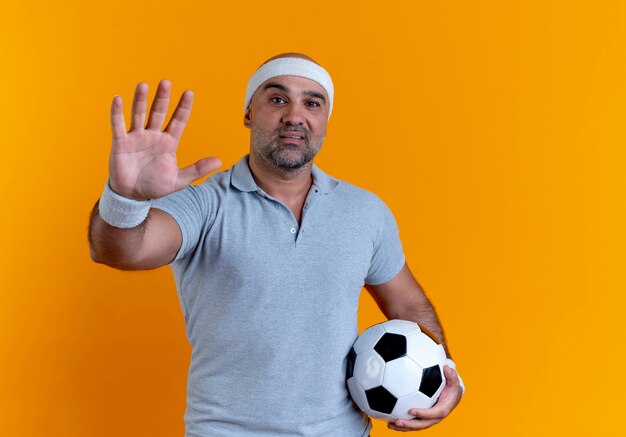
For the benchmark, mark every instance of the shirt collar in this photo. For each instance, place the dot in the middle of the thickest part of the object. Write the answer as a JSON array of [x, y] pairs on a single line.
[[321, 180], [241, 178]]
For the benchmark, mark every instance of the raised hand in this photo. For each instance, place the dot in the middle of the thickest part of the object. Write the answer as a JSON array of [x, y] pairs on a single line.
[[143, 160]]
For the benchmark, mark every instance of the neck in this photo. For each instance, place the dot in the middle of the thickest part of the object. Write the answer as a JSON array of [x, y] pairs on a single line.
[[287, 186]]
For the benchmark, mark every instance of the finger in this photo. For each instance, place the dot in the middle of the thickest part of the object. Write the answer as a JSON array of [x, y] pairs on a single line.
[[452, 378], [181, 114], [411, 425], [158, 110], [451, 375], [140, 104], [195, 171], [118, 126]]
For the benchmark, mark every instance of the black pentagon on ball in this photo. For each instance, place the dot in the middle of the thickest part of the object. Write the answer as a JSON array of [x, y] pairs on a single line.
[[350, 363], [391, 346], [431, 381], [380, 399]]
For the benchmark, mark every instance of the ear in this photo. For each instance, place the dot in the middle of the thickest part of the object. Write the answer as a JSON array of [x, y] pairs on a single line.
[[246, 118]]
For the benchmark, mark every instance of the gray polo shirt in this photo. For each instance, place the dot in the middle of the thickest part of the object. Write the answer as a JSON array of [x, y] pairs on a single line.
[[270, 307]]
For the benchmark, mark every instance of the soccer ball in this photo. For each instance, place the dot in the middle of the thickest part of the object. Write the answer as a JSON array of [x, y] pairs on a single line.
[[395, 366]]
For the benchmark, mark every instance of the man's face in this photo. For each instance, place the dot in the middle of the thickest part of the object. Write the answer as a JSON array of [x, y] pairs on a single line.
[[287, 119]]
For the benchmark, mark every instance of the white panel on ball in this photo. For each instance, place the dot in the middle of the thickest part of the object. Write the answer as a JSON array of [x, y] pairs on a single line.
[[402, 377], [422, 349], [368, 369], [402, 327], [415, 400], [442, 356], [358, 394], [381, 416], [368, 338]]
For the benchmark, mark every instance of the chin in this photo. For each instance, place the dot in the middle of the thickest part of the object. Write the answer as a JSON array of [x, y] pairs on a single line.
[[290, 164]]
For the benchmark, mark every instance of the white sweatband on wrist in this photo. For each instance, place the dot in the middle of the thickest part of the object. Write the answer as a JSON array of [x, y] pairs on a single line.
[[290, 67], [451, 364], [122, 212]]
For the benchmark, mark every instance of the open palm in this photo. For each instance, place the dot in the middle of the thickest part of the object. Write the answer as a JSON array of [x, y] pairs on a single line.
[[143, 161]]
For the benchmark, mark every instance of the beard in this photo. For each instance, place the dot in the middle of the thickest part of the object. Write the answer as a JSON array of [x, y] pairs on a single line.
[[286, 156]]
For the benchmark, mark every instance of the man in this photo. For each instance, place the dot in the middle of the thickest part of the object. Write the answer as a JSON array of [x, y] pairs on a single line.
[[269, 259]]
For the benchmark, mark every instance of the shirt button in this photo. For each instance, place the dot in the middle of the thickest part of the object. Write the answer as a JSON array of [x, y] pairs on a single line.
[[292, 230]]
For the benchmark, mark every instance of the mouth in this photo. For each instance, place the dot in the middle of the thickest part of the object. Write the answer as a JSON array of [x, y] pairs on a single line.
[[291, 137]]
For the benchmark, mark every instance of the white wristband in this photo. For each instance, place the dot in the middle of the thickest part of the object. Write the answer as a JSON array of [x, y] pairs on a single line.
[[122, 212], [451, 364]]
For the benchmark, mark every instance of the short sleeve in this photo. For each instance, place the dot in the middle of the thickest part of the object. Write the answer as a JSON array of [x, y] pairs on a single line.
[[189, 207], [388, 256]]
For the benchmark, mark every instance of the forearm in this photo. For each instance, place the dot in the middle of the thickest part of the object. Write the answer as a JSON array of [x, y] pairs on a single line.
[[424, 313], [403, 298], [115, 247]]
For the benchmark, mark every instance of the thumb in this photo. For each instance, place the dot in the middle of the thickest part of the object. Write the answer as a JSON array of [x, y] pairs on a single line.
[[195, 171], [452, 378]]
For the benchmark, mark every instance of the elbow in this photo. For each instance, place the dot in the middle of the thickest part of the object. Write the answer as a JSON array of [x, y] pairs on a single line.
[[120, 264], [94, 255]]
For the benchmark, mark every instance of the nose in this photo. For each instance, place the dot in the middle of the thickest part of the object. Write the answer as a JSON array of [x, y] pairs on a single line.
[[293, 115]]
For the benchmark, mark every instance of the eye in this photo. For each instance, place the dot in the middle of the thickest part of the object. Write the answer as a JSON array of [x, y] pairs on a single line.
[[277, 100], [313, 104]]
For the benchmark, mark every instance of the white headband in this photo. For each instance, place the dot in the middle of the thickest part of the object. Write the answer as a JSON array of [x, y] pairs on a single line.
[[290, 67]]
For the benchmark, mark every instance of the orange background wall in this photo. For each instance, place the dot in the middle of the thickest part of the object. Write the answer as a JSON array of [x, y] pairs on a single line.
[[494, 130]]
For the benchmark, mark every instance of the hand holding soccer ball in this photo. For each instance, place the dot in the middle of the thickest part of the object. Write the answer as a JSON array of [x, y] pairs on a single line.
[[396, 369]]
